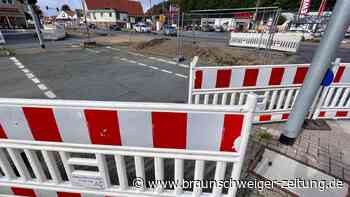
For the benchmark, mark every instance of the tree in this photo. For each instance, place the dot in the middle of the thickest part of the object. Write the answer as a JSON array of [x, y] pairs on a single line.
[[37, 10], [65, 7]]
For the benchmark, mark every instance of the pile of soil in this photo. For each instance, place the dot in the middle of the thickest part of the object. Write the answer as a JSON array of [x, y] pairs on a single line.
[[222, 55], [151, 43]]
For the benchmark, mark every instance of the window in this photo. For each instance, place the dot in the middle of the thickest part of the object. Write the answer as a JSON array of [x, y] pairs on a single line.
[[110, 14], [94, 15], [10, 1], [101, 14]]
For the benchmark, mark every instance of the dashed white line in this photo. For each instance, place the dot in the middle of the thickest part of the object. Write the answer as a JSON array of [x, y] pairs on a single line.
[[167, 71], [114, 49], [132, 61], [155, 68], [30, 75], [93, 51], [42, 87], [180, 75], [48, 93], [26, 70], [36, 80], [184, 65], [142, 64]]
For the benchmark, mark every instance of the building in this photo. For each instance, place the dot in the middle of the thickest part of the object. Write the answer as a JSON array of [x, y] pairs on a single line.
[[12, 14], [104, 13], [67, 17]]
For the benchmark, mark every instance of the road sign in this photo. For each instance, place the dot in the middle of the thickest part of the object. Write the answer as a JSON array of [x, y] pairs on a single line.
[[328, 79]]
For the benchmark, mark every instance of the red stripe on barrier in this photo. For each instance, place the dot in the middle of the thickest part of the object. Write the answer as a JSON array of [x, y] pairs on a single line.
[[250, 77], [264, 118], [322, 114], [103, 127], [198, 80], [276, 76], [285, 116], [23, 192], [223, 78], [169, 130], [233, 125], [300, 75], [66, 194], [2, 133], [339, 74], [341, 114], [42, 123]]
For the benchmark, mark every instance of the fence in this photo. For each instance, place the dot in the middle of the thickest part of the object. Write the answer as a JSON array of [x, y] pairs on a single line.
[[2, 39], [281, 41], [68, 148], [277, 87]]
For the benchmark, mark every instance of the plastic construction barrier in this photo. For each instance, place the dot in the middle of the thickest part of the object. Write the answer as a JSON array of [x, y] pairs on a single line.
[[281, 41], [55, 137], [277, 87]]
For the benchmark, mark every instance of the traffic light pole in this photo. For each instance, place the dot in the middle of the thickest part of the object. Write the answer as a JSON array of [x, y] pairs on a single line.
[[322, 59], [36, 24]]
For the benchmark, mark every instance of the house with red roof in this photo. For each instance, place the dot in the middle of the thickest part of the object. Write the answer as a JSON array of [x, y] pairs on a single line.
[[105, 13]]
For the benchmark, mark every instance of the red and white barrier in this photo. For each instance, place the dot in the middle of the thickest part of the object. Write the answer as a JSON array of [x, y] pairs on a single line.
[[114, 126], [38, 133], [258, 76], [277, 87]]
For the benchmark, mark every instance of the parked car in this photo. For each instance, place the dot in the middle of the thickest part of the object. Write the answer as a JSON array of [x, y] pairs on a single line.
[[142, 28], [170, 30], [115, 28], [219, 28], [92, 26], [207, 28]]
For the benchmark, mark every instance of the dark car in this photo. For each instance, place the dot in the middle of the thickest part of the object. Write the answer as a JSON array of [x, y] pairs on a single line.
[[115, 28], [170, 30], [92, 26]]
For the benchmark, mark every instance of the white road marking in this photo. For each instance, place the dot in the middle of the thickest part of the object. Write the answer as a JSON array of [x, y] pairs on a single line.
[[26, 70], [114, 49], [180, 75], [48, 93], [36, 80], [184, 65], [142, 64], [132, 61], [155, 68], [166, 71], [42, 87], [93, 51], [136, 54], [30, 75]]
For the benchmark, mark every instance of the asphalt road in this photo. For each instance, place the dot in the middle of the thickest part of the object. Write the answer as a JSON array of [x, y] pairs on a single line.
[[107, 74], [102, 73]]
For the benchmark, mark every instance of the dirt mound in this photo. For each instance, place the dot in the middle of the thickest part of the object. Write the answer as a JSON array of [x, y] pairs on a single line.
[[150, 43]]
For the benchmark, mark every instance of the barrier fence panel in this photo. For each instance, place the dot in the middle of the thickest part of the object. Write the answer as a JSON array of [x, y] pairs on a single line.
[[2, 39], [334, 103], [281, 41], [277, 87], [74, 148]]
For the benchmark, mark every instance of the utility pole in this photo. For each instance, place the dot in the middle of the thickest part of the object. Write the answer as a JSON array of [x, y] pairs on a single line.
[[31, 4], [324, 55]]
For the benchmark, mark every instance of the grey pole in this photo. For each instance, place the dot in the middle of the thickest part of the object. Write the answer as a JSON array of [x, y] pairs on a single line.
[[37, 25], [324, 55]]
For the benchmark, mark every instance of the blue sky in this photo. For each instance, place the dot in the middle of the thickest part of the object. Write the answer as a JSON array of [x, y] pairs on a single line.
[[77, 4]]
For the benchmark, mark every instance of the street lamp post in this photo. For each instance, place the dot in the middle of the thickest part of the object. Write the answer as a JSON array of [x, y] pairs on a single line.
[[31, 4]]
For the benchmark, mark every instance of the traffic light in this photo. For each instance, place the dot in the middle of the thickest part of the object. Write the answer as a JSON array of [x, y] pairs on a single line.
[[32, 2], [47, 7]]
